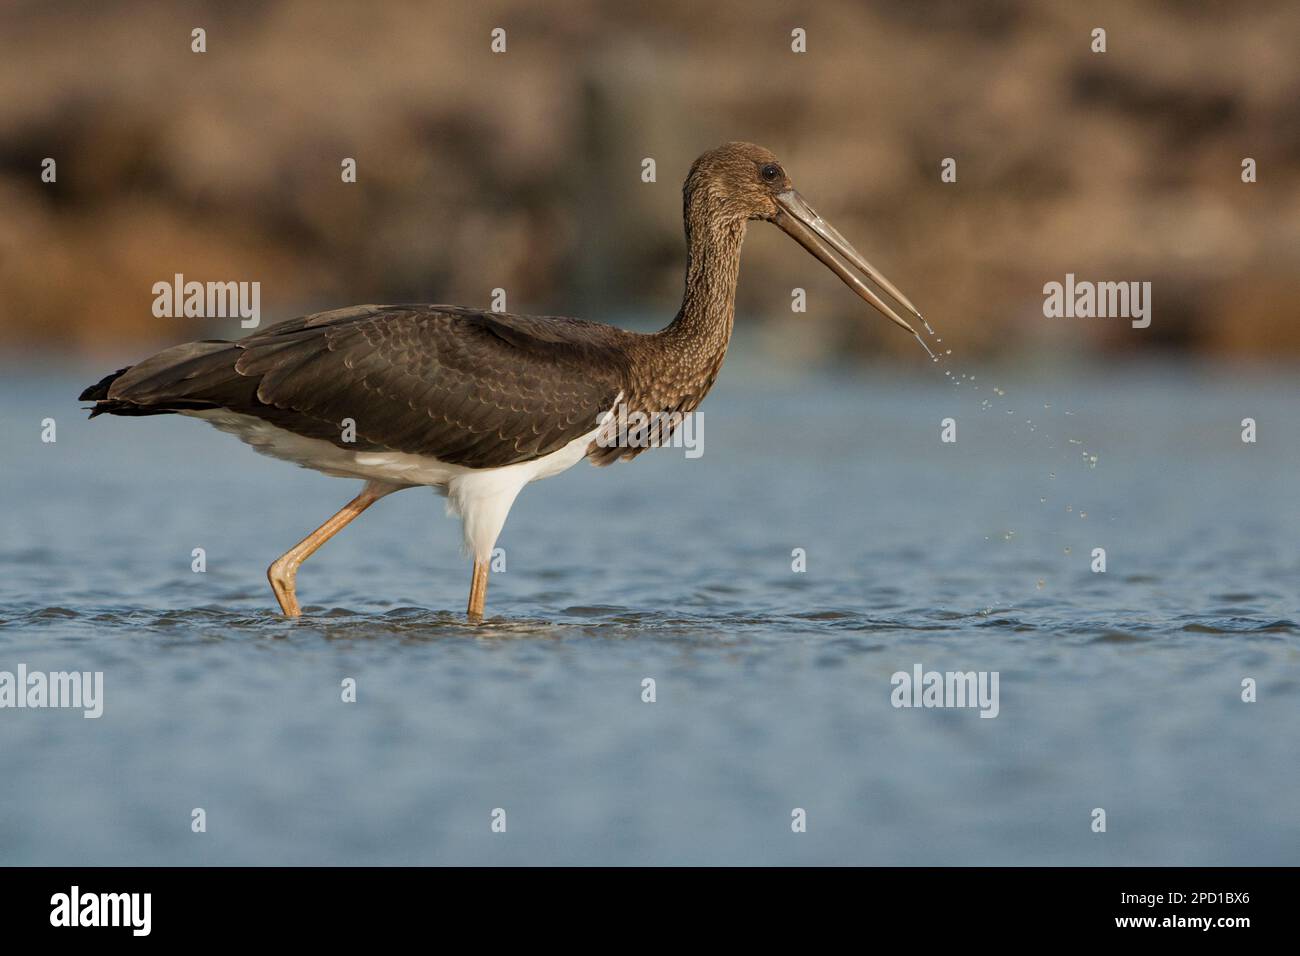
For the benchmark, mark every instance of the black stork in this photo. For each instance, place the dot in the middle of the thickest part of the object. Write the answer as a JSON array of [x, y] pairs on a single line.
[[478, 404]]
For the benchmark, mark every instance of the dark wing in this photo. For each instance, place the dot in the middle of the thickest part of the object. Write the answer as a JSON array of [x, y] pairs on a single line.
[[479, 389]]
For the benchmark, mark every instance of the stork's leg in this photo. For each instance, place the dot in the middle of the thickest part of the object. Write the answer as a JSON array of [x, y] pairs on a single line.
[[482, 498], [477, 592], [283, 572]]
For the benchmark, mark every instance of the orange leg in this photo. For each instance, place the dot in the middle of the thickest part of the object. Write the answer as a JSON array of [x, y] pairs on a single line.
[[477, 592], [283, 572]]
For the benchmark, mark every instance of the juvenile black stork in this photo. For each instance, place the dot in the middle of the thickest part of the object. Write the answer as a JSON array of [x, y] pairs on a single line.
[[478, 404]]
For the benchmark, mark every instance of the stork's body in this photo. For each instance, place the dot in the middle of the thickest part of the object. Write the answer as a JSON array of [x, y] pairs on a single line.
[[476, 404]]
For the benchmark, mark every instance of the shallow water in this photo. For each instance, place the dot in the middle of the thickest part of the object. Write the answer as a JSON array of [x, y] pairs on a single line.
[[1119, 690]]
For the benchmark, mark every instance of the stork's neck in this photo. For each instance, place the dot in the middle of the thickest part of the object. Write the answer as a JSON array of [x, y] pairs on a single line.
[[700, 332]]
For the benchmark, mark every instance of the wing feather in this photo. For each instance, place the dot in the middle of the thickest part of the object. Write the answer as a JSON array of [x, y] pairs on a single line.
[[471, 388]]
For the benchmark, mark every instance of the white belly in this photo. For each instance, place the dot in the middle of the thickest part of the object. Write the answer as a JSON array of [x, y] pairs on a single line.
[[481, 496]]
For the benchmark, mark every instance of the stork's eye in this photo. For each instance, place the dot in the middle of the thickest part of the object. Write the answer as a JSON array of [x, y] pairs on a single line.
[[771, 172]]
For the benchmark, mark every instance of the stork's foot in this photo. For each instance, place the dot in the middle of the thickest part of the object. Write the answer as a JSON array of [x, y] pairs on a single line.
[[283, 575], [477, 592], [284, 571]]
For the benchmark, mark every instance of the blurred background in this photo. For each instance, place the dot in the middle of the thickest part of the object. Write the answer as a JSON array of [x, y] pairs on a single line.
[[522, 170]]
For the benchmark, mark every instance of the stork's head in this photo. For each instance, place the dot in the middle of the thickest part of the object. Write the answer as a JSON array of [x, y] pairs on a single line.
[[740, 181]]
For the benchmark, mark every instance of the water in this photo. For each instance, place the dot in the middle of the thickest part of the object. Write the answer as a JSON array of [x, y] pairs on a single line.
[[1118, 690]]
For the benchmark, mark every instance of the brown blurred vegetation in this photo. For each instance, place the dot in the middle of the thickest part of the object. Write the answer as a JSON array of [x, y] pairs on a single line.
[[522, 170]]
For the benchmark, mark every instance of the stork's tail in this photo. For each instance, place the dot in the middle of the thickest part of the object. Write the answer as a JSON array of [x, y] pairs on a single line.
[[98, 393], [182, 378]]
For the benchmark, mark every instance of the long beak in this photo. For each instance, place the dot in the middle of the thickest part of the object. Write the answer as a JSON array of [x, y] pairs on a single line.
[[802, 222]]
